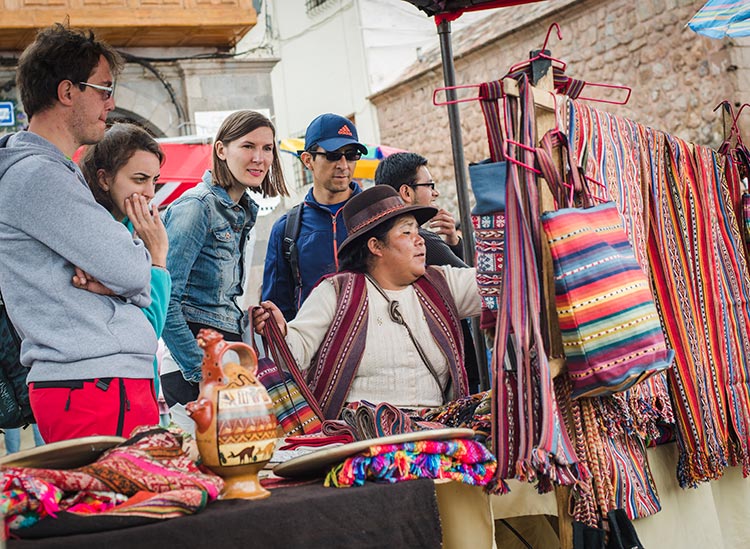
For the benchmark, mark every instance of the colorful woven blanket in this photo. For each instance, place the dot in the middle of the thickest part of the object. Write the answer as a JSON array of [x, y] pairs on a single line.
[[149, 475], [464, 461], [611, 431]]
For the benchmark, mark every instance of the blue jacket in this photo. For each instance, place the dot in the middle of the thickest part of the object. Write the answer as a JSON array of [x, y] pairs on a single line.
[[317, 254], [207, 234]]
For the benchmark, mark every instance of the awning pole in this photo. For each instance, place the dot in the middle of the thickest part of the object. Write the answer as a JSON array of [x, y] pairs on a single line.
[[454, 121]]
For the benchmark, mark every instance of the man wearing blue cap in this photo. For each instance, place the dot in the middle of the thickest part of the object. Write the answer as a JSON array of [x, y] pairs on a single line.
[[303, 244]]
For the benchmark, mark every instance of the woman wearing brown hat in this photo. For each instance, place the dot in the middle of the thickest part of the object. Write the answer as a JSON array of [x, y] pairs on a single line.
[[384, 328]]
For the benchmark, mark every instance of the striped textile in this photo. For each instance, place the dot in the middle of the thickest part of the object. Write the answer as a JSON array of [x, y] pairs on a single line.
[[608, 321], [349, 325], [294, 405], [616, 154], [746, 224], [680, 258], [290, 407], [529, 435], [720, 18], [732, 313]]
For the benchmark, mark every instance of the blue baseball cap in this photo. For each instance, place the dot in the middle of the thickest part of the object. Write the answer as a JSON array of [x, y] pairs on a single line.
[[332, 132]]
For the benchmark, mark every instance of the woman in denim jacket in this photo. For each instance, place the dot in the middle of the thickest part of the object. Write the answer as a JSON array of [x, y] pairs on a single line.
[[208, 228]]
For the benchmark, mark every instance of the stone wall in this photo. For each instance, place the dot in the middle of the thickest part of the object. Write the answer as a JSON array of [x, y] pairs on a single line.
[[677, 76]]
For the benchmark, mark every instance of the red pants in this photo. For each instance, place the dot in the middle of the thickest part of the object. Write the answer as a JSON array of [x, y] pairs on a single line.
[[80, 408]]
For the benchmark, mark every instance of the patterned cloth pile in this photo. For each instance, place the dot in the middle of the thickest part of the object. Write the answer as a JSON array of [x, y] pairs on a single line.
[[472, 412], [464, 461], [149, 475], [363, 420]]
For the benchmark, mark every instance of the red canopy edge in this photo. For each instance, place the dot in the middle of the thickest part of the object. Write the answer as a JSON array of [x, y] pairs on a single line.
[[450, 10]]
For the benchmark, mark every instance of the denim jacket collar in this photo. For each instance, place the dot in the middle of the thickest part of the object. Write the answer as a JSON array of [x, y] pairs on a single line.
[[246, 203]]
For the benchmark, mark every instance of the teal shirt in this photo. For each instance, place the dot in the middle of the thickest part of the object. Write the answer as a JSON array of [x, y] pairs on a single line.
[[156, 313], [161, 288]]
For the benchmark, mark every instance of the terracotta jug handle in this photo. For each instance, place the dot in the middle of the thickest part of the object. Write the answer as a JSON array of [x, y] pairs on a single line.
[[248, 357]]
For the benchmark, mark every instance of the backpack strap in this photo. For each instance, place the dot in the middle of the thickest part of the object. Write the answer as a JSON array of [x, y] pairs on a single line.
[[289, 244]]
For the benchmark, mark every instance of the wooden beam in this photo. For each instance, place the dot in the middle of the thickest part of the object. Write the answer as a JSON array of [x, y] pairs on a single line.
[[546, 120], [543, 99]]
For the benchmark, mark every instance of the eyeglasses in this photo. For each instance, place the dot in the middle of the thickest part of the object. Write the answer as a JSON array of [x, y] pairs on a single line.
[[335, 156], [430, 184], [107, 91]]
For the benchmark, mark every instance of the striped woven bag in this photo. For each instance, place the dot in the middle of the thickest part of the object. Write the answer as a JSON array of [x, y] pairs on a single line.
[[293, 404], [610, 327]]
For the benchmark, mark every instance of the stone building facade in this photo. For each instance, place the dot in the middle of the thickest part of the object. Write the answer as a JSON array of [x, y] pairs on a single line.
[[677, 76]]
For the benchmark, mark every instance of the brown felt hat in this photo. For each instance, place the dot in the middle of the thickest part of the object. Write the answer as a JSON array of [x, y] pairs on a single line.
[[375, 205]]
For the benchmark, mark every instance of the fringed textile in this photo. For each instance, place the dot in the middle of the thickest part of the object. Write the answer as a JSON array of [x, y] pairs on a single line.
[[612, 152], [472, 412], [680, 257], [529, 437], [733, 312]]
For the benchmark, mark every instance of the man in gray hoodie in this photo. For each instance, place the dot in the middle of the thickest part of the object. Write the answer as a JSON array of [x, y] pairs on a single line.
[[89, 346]]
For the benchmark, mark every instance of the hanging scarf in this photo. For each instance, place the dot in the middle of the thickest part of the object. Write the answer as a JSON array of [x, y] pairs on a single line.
[[335, 365], [614, 429], [732, 312], [529, 437], [680, 263]]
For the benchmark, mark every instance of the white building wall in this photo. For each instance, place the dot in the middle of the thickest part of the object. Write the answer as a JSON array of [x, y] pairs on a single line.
[[340, 53], [323, 66]]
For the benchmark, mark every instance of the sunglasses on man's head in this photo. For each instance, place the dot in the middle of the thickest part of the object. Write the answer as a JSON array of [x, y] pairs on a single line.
[[335, 156]]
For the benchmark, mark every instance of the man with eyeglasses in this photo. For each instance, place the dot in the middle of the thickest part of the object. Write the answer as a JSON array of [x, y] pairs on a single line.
[[409, 175], [89, 347], [292, 269]]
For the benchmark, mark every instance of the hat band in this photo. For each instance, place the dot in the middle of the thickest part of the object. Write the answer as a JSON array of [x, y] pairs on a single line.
[[391, 204]]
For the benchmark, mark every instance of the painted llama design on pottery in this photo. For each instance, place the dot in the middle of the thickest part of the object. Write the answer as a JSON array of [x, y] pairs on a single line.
[[236, 429]]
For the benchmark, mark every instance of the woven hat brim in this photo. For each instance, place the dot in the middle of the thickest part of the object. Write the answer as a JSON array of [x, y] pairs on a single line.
[[421, 213]]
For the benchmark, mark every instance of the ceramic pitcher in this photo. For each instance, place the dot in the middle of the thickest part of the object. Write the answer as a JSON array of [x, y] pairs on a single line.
[[236, 429]]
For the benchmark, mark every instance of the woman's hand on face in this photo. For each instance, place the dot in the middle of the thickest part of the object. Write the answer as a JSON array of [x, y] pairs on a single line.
[[84, 281], [148, 227], [264, 313]]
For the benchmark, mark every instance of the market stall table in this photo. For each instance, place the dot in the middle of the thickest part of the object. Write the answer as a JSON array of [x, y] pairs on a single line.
[[374, 515]]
